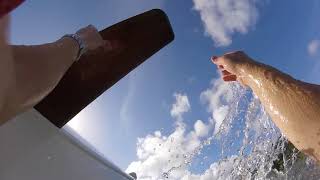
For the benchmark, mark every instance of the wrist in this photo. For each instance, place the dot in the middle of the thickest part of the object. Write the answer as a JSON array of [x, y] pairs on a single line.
[[71, 46], [81, 46]]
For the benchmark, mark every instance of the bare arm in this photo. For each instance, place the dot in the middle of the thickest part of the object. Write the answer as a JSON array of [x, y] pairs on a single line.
[[7, 73], [38, 69], [34, 71], [293, 105]]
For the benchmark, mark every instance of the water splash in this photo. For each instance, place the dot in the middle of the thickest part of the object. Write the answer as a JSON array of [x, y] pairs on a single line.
[[264, 153]]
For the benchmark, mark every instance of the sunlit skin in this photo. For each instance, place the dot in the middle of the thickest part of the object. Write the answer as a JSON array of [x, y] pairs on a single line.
[[29, 73], [293, 105]]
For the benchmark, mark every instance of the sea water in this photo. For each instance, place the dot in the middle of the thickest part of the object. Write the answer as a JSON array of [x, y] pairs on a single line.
[[251, 146]]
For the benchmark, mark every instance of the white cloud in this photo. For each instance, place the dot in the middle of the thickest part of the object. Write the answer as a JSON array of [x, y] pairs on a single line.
[[223, 18], [181, 106], [158, 153], [313, 47], [218, 97], [201, 129], [161, 157]]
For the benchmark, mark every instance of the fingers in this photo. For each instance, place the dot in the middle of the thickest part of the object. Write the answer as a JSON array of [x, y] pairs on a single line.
[[227, 76], [92, 27], [227, 64], [214, 59], [218, 60], [88, 29], [225, 73], [230, 78]]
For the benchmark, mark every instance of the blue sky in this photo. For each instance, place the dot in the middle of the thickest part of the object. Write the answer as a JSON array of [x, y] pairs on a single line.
[[284, 34]]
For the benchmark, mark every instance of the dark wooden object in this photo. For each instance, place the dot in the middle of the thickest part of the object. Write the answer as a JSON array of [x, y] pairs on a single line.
[[134, 41]]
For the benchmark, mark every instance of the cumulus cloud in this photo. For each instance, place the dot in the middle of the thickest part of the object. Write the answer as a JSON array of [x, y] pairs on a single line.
[[218, 97], [181, 106], [223, 18], [158, 154], [313, 47], [162, 156], [201, 129]]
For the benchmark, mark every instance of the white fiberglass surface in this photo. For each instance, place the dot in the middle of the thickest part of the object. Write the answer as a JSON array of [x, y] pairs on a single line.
[[172, 117]]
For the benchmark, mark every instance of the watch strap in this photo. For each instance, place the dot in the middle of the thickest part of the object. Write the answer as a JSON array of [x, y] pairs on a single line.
[[80, 42]]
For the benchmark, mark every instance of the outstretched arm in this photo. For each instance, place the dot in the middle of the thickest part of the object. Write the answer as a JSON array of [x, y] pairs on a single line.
[[293, 105], [34, 71]]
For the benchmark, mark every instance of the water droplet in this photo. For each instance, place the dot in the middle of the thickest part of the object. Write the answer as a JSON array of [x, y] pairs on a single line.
[[254, 132], [207, 142], [165, 175]]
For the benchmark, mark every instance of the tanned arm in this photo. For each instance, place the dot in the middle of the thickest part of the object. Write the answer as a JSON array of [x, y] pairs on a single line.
[[293, 105], [29, 73], [38, 69]]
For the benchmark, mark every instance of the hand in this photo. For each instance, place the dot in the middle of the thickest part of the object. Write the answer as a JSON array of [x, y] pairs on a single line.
[[232, 65], [93, 40]]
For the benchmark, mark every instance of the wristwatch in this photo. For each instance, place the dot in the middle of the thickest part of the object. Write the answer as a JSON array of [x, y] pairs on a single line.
[[81, 43]]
